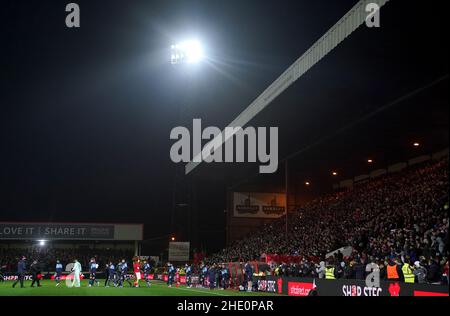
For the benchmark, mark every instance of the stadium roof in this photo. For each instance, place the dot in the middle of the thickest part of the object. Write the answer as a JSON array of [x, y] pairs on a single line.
[[372, 97]]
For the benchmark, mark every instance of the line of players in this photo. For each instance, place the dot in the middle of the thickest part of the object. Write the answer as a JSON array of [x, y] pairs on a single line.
[[214, 276], [209, 276], [115, 274]]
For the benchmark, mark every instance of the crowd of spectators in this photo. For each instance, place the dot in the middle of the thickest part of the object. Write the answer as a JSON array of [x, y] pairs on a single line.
[[402, 216]]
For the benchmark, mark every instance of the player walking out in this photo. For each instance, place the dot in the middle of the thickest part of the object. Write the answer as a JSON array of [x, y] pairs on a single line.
[[123, 273], [225, 277], [35, 273], [147, 269], [188, 270], [58, 273], [171, 274], [76, 273], [212, 277], [177, 276], [111, 275], [204, 276], [106, 274], [21, 269], [248, 276], [137, 271], [93, 266], [201, 275]]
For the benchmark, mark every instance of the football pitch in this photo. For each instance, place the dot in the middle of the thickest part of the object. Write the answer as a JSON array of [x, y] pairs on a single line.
[[157, 288]]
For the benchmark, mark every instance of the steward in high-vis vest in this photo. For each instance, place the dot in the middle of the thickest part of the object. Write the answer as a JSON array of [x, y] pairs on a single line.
[[393, 271], [408, 273], [330, 271]]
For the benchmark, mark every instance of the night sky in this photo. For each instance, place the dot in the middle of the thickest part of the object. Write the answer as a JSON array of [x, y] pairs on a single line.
[[86, 113]]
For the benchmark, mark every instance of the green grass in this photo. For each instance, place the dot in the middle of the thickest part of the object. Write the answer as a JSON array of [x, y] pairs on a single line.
[[157, 289]]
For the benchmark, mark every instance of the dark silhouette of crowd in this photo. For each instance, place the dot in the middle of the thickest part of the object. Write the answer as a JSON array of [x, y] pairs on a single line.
[[401, 216]]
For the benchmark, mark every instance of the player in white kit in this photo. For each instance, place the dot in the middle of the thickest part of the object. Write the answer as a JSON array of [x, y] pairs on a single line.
[[76, 273]]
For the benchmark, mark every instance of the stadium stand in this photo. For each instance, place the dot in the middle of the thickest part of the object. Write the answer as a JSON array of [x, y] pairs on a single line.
[[401, 216]]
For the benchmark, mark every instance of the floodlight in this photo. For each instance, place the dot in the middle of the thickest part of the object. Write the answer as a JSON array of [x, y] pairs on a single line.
[[187, 52]]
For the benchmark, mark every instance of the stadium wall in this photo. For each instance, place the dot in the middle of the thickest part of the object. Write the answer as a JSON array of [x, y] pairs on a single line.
[[344, 287], [70, 231], [119, 245]]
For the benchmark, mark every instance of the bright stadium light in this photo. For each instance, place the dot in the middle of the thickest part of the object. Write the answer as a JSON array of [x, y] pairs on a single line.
[[41, 243], [187, 52]]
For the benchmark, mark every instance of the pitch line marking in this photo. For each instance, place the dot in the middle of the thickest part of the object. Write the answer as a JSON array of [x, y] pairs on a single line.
[[204, 292]]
